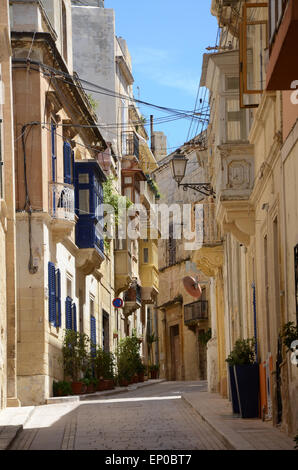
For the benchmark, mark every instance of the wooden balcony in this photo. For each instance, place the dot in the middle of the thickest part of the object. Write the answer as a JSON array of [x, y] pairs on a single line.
[[283, 65], [61, 209], [195, 311]]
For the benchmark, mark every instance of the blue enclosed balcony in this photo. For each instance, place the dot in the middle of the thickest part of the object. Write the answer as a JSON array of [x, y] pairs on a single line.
[[88, 203]]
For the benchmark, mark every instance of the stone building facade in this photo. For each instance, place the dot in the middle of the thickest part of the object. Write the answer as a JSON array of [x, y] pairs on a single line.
[[251, 166]]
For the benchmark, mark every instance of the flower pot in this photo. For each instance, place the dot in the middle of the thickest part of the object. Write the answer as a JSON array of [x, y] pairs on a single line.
[[101, 386], [115, 335], [135, 379], [109, 384], [153, 374], [247, 385], [90, 388], [123, 383], [78, 388], [141, 377], [233, 390]]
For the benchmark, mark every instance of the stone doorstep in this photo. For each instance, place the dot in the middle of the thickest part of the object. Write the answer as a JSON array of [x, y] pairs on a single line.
[[219, 419], [115, 391], [12, 422]]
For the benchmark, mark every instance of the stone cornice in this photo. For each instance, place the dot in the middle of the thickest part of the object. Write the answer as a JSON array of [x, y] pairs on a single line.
[[209, 260]]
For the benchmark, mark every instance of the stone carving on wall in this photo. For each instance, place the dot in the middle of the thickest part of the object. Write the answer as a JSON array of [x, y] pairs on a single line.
[[238, 174]]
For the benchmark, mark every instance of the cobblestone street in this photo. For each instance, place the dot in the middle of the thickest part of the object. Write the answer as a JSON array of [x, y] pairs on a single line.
[[153, 417]]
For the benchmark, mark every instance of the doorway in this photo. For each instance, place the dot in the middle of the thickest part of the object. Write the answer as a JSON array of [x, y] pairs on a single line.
[[175, 352], [105, 331]]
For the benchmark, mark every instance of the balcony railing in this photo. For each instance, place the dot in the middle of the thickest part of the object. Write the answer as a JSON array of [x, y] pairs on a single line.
[[276, 12], [61, 201], [133, 294], [196, 311], [130, 145]]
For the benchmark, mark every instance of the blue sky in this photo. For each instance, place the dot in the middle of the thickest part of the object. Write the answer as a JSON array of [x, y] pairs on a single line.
[[167, 40]]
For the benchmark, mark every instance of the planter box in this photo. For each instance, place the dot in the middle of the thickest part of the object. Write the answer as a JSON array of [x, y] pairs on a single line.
[[78, 388], [109, 384], [90, 388], [153, 374], [123, 383], [233, 389], [141, 377], [247, 384], [101, 386]]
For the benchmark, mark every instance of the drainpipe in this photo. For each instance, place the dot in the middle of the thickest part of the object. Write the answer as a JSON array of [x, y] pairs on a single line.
[[255, 320]]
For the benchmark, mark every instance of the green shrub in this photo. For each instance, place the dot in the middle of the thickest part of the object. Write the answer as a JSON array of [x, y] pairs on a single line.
[[76, 356], [61, 388], [243, 353]]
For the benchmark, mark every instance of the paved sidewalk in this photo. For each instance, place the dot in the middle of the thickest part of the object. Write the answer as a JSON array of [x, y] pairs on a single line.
[[238, 434], [12, 421], [96, 395]]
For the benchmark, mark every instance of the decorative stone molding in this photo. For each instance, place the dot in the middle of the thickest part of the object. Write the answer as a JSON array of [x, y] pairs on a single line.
[[209, 259], [88, 260], [238, 218]]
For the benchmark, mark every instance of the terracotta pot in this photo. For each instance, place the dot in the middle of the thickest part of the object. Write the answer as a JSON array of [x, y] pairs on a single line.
[[90, 388], [78, 388], [153, 374], [141, 377], [101, 386], [135, 379], [123, 383], [109, 383]]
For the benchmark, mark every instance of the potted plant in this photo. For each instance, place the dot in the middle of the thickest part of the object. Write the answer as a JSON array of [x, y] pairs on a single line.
[[115, 334], [104, 369], [289, 334], [154, 368], [75, 358], [61, 388], [244, 378], [141, 372]]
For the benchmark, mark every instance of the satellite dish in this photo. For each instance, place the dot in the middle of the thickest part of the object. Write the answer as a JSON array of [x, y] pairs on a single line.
[[192, 287]]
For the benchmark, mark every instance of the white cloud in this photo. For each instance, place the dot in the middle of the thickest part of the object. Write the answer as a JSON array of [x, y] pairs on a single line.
[[162, 67]]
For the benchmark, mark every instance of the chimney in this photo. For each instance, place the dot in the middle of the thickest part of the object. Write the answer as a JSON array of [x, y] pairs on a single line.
[[89, 3]]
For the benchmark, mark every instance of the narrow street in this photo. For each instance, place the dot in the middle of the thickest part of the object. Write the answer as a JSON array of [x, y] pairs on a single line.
[[151, 418]]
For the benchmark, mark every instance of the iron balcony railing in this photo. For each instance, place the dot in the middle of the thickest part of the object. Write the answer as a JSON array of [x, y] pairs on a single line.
[[196, 311], [61, 201], [130, 144], [133, 294]]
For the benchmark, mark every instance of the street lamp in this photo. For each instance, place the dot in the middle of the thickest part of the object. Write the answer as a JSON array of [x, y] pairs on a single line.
[[178, 166]]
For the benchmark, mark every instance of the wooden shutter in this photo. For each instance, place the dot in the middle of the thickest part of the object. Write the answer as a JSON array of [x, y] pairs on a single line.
[[93, 334], [74, 317], [52, 292], [68, 313], [58, 298], [67, 162], [53, 142]]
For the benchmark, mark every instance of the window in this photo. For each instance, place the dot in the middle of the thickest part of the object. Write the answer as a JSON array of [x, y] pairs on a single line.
[[235, 121], [67, 163], [84, 207], [171, 246], [93, 334], [253, 42], [54, 287], [145, 255], [53, 150], [70, 314], [276, 10]]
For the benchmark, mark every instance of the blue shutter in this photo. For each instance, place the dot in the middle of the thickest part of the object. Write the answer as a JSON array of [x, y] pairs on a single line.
[[67, 162], [53, 140], [68, 317], [74, 317], [52, 293], [58, 298], [93, 335], [73, 167]]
